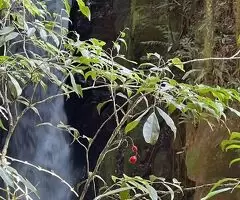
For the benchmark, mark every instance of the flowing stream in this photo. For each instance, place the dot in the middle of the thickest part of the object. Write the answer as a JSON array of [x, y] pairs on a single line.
[[45, 146]]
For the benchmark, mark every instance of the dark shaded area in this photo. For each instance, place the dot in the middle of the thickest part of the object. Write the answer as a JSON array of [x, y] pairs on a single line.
[[82, 112]]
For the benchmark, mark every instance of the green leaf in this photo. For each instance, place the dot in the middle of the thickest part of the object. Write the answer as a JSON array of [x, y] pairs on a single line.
[[11, 36], [214, 193], [31, 31], [31, 7], [67, 6], [220, 182], [130, 126], [16, 85], [79, 90], [151, 129], [226, 143], [4, 59], [138, 185], [84, 9], [55, 39], [234, 111], [2, 126], [170, 190], [6, 30], [25, 182], [114, 178], [232, 146], [36, 111], [43, 34], [235, 135], [234, 161], [124, 195], [178, 63], [74, 85], [168, 121], [152, 192], [8, 180], [116, 191], [4, 4], [100, 105]]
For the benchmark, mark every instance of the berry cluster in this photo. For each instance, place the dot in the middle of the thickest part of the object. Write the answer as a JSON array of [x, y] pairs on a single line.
[[133, 159]]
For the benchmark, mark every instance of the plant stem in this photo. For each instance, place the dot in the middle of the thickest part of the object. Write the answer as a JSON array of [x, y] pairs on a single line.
[[106, 149]]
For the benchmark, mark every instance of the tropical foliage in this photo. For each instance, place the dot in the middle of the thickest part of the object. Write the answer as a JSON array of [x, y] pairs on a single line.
[[36, 52]]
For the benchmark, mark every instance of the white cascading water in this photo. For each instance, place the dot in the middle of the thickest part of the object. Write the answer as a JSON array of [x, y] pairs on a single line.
[[45, 146]]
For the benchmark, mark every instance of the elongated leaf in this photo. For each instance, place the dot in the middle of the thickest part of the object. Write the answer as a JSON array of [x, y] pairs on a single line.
[[6, 30], [16, 85], [234, 161], [84, 9], [36, 111], [11, 36], [67, 6], [116, 191], [225, 180], [130, 126], [43, 34], [235, 135], [232, 146], [6, 178], [31, 31], [124, 195], [214, 193], [152, 192], [101, 105], [31, 7], [168, 121], [170, 191], [2, 126], [226, 143], [55, 39], [151, 129], [138, 186], [74, 85], [234, 111]]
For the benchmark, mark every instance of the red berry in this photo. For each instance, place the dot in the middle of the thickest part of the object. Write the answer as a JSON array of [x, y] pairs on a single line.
[[134, 149], [133, 159]]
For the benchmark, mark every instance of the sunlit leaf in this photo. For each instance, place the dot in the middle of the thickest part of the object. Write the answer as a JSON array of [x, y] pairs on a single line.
[[124, 195], [234, 111], [152, 192], [31, 31], [130, 126], [16, 85], [84, 9], [214, 193], [168, 121], [43, 34], [237, 160], [151, 129], [67, 6], [178, 63], [6, 30]]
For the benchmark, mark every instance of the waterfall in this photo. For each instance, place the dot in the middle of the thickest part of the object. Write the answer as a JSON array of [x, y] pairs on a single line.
[[45, 146]]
